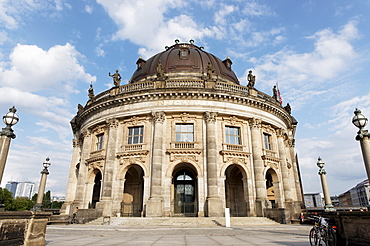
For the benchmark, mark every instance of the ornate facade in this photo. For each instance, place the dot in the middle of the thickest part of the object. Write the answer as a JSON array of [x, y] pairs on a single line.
[[184, 138]]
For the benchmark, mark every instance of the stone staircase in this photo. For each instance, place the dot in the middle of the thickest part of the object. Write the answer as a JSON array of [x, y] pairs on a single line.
[[182, 221]]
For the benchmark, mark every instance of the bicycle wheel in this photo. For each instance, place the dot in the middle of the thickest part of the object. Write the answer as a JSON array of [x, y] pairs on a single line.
[[331, 237], [314, 237]]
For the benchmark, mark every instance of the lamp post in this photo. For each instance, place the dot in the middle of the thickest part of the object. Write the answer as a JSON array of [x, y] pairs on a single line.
[[40, 194], [6, 134], [360, 121], [324, 183]]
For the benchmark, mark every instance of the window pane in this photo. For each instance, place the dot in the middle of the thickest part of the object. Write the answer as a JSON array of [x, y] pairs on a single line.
[[135, 135], [184, 132]]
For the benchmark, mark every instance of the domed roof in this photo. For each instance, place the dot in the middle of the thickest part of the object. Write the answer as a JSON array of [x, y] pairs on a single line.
[[184, 57]]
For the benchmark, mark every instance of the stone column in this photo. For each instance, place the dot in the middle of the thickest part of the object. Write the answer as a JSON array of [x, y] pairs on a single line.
[[72, 179], [325, 189], [154, 206], [284, 166], [214, 204], [110, 157], [82, 172], [297, 182], [258, 166], [4, 150]]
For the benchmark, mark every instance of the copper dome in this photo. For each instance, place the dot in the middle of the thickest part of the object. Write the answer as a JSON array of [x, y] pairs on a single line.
[[184, 57]]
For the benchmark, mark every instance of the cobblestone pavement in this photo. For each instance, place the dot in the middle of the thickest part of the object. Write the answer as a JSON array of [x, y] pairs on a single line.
[[64, 235]]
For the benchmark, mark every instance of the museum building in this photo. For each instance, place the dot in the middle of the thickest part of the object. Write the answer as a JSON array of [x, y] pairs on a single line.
[[184, 138]]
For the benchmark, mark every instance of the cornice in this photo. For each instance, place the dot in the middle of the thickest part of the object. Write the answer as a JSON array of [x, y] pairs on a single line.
[[202, 94]]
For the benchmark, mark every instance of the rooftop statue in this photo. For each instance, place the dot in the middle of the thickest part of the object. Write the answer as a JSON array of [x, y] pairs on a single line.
[[210, 70], [160, 71], [288, 108], [274, 93], [116, 78], [91, 92], [251, 79]]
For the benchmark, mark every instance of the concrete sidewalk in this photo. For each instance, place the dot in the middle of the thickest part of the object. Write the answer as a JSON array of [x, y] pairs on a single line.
[[122, 235]]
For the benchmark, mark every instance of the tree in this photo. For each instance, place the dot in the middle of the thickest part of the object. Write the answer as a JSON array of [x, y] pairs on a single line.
[[22, 203], [7, 198], [46, 200]]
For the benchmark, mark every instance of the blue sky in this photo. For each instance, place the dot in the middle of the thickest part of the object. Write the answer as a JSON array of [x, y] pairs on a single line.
[[317, 51]]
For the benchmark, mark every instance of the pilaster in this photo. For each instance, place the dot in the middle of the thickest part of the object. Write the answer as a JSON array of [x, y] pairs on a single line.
[[214, 203], [260, 183], [284, 165], [154, 206]]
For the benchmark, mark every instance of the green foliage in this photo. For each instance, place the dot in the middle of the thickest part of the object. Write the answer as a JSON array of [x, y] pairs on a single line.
[[22, 203], [7, 198], [57, 204], [46, 201]]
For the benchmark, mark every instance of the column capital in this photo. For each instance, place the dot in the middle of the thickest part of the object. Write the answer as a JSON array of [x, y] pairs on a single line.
[[86, 133], [255, 123], [158, 116], [280, 132], [361, 134], [112, 122], [7, 131], [210, 117], [75, 142]]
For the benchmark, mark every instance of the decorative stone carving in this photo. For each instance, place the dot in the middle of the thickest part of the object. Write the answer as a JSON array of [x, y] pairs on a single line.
[[75, 143], [185, 158], [86, 133], [99, 129], [280, 132], [158, 116], [134, 120], [96, 165], [233, 119], [210, 117], [271, 164], [112, 122], [184, 117], [255, 123]]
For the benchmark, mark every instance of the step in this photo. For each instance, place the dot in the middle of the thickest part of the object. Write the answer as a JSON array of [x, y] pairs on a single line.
[[183, 221]]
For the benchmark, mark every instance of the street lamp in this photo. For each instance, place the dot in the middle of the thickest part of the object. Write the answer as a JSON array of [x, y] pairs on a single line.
[[6, 134], [40, 194], [325, 189], [360, 121]]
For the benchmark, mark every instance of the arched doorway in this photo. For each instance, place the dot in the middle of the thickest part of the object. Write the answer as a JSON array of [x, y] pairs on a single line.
[[185, 202], [271, 189], [132, 202], [96, 188], [234, 192]]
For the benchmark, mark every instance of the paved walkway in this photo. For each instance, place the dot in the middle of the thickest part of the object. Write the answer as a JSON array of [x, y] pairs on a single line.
[[64, 235]]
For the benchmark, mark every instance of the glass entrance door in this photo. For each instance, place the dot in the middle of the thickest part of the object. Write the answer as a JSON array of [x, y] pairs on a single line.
[[184, 193]]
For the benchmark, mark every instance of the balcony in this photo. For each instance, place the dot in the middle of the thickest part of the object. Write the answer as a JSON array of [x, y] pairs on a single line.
[[183, 145], [133, 147], [233, 147]]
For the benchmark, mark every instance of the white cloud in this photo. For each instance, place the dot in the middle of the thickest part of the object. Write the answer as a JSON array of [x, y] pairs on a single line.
[[89, 9], [252, 8], [33, 69], [145, 23], [3, 37], [220, 16]]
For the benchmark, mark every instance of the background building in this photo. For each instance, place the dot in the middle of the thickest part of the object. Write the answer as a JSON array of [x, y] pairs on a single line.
[[357, 196], [314, 200], [21, 189], [184, 138]]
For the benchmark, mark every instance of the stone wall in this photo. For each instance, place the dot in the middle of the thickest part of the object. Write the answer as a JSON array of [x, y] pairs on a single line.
[[353, 227], [23, 228]]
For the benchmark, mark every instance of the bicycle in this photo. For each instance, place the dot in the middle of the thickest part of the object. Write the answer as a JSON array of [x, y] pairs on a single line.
[[322, 234], [73, 220]]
